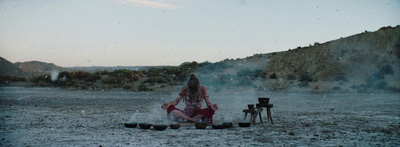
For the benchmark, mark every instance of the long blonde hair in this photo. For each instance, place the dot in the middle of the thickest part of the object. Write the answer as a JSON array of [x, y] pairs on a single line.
[[194, 84]]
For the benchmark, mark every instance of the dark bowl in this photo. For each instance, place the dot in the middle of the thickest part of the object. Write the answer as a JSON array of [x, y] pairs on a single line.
[[244, 124], [175, 126], [130, 124], [263, 100], [250, 106], [219, 126], [227, 124], [200, 125], [145, 125], [160, 127]]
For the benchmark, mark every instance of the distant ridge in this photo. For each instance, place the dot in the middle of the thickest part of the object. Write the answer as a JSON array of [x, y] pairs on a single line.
[[9, 69], [36, 68], [108, 68], [358, 63], [368, 59]]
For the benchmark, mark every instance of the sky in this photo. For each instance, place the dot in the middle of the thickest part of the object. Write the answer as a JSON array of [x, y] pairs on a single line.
[[72, 33]]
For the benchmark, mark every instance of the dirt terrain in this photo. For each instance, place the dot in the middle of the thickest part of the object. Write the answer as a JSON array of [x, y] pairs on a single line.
[[56, 117]]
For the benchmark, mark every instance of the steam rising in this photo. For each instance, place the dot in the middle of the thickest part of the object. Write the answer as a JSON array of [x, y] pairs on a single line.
[[231, 91], [54, 75]]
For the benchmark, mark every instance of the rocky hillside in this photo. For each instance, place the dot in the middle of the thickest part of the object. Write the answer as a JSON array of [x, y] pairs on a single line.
[[365, 62], [9, 69], [370, 60]]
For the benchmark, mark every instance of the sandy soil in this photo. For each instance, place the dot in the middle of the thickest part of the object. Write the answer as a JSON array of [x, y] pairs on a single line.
[[56, 117]]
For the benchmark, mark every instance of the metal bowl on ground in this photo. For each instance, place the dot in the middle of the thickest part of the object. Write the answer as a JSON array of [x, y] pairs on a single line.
[[145, 125], [217, 126], [200, 125], [227, 124], [160, 127], [263, 100], [130, 124], [244, 124], [174, 126]]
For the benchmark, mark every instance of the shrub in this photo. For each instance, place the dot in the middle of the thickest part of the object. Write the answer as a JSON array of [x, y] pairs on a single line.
[[124, 74], [376, 80], [212, 67], [172, 70], [380, 85], [376, 76], [253, 74], [291, 77], [127, 87], [7, 79], [305, 78], [182, 77], [224, 79], [64, 74], [303, 84], [104, 72], [336, 88], [387, 69], [143, 87], [44, 78], [273, 76], [112, 81], [259, 73], [189, 66], [341, 77], [153, 80], [244, 73], [154, 71]]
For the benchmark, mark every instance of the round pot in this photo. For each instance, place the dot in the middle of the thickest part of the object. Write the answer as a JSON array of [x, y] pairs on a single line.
[[219, 126], [145, 125], [244, 124], [227, 124], [130, 124], [174, 126], [250, 106], [200, 125], [263, 100], [160, 127]]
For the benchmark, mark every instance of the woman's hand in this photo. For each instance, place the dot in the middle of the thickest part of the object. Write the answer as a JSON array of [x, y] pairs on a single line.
[[165, 106], [214, 107]]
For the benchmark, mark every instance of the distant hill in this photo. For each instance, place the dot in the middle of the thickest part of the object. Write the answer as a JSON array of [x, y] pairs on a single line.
[[36, 68], [9, 69], [93, 69]]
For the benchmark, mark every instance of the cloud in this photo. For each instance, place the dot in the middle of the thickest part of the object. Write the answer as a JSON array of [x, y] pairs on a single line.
[[158, 4]]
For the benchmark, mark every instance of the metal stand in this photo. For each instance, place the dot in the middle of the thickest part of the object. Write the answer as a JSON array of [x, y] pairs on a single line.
[[254, 113]]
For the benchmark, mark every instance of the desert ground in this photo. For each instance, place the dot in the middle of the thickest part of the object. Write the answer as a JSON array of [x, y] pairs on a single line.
[[59, 117]]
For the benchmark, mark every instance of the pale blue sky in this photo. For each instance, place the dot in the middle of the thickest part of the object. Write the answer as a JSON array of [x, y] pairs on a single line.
[[170, 32]]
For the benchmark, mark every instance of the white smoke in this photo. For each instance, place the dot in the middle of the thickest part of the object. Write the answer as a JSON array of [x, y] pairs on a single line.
[[54, 75]]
